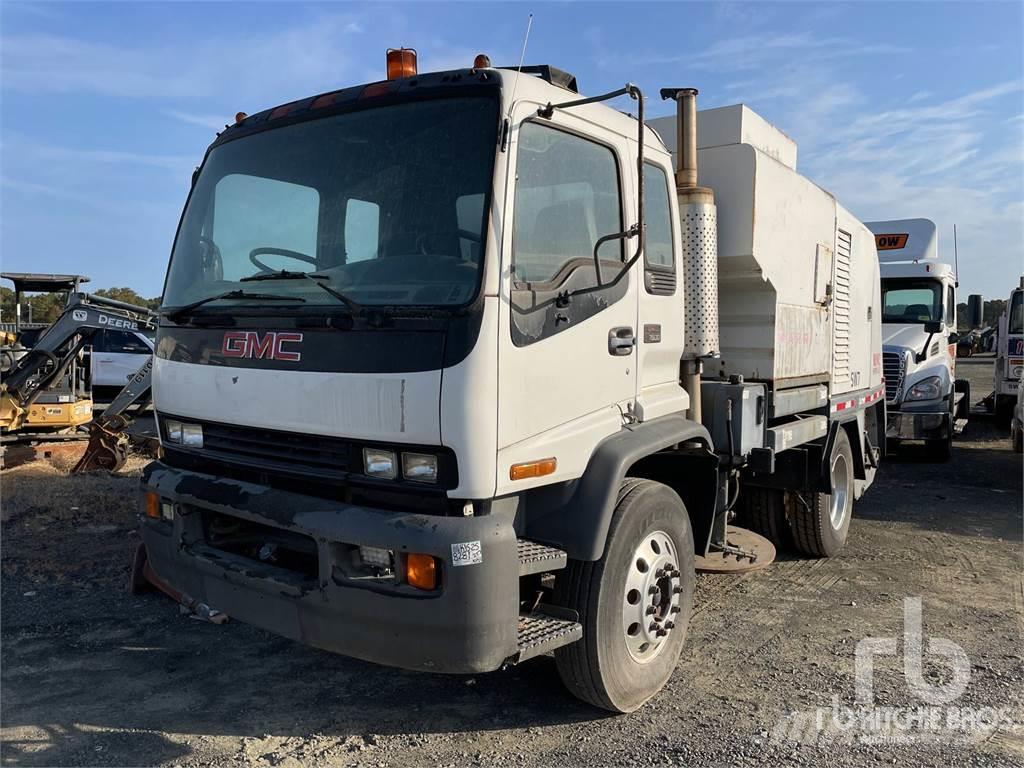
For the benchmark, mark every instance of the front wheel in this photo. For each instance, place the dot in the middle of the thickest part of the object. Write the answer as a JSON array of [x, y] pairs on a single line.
[[820, 523], [634, 603]]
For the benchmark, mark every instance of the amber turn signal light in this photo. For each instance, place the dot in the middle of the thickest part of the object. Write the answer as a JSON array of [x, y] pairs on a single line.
[[421, 571], [401, 63], [153, 505], [533, 469]]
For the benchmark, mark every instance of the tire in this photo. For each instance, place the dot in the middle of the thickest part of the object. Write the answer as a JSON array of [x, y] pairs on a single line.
[[1004, 410], [603, 668], [1017, 437], [763, 510], [814, 532]]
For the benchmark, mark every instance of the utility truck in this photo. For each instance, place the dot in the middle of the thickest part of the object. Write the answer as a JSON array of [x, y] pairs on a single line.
[[1009, 366], [456, 369], [919, 336]]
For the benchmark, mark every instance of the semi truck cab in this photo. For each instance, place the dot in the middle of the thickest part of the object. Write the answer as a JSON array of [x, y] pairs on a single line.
[[919, 337]]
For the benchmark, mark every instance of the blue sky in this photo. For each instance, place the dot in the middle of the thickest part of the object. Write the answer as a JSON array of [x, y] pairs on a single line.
[[901, 110]]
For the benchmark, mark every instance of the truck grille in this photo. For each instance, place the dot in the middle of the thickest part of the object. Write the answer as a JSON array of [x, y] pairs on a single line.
[[892, 368], [300, 462], [287, 450]]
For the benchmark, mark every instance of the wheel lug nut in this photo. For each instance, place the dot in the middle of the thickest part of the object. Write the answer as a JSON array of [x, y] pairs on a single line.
[[653, 627], [676, 609], [662, 632], [670, 625], [677, 590], [650, 610], [653, 590]]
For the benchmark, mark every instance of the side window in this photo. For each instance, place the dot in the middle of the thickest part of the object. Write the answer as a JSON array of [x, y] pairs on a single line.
[[950, 308], [567, 198], [256, 212], [362, 230], [124, 342], [659, 274], [99, 342]]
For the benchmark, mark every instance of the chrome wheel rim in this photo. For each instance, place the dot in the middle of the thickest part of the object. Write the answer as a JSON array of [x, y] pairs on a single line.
[[840, 491], [650, 603]]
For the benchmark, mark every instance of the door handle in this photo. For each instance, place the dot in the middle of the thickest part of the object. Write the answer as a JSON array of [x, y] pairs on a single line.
[[621, 341]]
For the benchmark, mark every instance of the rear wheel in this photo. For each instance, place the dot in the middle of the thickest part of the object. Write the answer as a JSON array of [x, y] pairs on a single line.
[[763, 511], [634, 603], [821, 522], [1004, 409]]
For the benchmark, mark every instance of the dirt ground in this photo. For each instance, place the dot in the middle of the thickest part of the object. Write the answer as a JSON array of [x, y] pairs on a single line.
[[94, 676]]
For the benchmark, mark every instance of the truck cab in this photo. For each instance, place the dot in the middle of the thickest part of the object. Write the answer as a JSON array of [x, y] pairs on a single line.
[[918, 335], [428, 376], [1009, 346]]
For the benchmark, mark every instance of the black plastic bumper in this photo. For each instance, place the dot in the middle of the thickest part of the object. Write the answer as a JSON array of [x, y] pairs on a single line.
[[904, 425], [468, 625]]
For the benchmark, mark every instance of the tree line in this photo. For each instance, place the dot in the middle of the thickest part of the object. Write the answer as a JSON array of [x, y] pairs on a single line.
[[991, 310], [46, 307]]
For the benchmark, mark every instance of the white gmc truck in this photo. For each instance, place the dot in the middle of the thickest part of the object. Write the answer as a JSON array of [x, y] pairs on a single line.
[[919, 336], [455, 369]]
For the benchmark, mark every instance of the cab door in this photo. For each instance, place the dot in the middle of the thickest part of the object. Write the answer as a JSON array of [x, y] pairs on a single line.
[[567, 354]]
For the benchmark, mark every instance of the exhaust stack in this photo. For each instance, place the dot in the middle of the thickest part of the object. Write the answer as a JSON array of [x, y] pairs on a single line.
[[699, 222]]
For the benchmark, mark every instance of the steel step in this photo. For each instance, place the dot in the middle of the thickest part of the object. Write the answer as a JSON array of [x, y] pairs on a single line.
[[958, 426], [540, 634], [538, 558]]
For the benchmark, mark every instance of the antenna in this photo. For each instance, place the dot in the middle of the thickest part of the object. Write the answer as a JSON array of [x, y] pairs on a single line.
[[956, 261], [519, 70]]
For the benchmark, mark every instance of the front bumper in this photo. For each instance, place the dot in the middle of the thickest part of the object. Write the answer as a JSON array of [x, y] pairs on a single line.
[[468, 625], [918, 426]]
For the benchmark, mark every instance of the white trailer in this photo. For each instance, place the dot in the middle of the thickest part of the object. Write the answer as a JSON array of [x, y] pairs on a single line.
[[925, 400], [505, 372]]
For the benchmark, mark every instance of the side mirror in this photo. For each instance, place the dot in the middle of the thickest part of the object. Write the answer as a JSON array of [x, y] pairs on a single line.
[[933, 326], [953, 338]]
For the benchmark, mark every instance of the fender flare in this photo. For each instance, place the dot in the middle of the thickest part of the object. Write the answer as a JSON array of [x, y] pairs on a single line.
[[575, 516]]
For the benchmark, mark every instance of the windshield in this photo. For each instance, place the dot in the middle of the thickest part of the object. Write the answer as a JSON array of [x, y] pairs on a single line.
[[387, 205], [911, 301], [1016, 324]]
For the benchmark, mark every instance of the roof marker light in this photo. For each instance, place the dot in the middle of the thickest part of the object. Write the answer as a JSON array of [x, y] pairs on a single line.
[[401, 63], [482, 61]]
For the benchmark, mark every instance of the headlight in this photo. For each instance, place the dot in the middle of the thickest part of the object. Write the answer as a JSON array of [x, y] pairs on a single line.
[[379, 463], [183, 433], [926, 389], [172, 431], [1017, 371], [192, 435], [420, 467]]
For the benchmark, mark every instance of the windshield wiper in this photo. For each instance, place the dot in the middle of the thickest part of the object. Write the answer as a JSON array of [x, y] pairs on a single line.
[[285, 274], [235, 294]]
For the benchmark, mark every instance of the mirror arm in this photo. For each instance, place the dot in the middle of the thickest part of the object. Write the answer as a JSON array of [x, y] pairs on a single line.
[[923, 354]]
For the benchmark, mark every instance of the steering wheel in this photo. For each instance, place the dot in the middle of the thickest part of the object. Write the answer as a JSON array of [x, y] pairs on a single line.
[[279, 252]]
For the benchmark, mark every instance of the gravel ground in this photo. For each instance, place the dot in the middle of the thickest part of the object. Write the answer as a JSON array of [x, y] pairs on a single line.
[[94, 676]]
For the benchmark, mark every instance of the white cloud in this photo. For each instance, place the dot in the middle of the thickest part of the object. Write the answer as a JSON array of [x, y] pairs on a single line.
[[213, 122]]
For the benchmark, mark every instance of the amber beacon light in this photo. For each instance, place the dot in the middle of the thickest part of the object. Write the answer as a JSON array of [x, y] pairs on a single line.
[[401, 63]]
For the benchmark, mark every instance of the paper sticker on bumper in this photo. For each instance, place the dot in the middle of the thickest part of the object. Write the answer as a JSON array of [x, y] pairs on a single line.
[[467, 553]]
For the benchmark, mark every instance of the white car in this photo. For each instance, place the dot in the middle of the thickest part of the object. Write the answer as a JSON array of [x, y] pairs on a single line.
[[117, 355]]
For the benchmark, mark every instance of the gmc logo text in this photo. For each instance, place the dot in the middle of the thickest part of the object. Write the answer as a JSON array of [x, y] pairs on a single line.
[[268, 346]]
